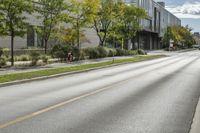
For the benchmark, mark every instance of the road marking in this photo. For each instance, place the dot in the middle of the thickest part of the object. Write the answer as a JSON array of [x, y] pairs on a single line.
[[28, 116]]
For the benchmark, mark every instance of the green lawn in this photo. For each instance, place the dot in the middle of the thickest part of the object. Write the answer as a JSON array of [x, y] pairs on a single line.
[[49, 72]]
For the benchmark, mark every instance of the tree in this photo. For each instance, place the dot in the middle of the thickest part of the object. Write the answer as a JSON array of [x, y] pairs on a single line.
[[13, 22], [180, 35], [68, 36], [187, 37], [1, 22], [51, 13], [173, 33], [81, 14], [104, 19], [128, 22], [176, 36], [166, 38]]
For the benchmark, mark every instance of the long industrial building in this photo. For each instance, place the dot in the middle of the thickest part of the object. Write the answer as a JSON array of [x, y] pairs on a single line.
[[153, 29], [155, 25]]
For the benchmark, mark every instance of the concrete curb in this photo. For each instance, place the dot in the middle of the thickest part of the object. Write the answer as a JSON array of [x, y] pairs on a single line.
[[195, 128]]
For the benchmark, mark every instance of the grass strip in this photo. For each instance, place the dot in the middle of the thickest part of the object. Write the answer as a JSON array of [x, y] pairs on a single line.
[[49, 72]]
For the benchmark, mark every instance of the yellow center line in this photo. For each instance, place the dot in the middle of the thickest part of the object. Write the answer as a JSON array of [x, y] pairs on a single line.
[[28, 116]]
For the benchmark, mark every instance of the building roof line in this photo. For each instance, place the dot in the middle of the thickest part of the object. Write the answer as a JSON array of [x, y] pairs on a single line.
[[165, 9]]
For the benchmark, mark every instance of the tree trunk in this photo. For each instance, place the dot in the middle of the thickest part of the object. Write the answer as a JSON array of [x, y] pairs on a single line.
[[78, 34], [45, 46], [125, 43], [78, 39], [138, 42], [12, 49], [101, 43]]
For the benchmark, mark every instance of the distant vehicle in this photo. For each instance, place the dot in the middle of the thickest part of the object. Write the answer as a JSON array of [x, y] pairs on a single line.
[[196, 46]]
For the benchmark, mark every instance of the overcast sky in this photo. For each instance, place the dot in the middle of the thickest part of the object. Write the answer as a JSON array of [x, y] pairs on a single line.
[[187, 10]]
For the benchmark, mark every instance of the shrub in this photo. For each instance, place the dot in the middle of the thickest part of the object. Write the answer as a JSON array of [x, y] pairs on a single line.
[[7, 58], [35, 56], [142, 52], [1, 52], [126, 52], [22, 58], [76, 53], [86, 51], [112, 52], [61, 52], [93, 53], [58, 52], [102, 52], [133, 53], [45, 59], [82, 55], [2, 62], [25, 58], [60, 55], [96, 52], [54, 49], [66, 48], [120, 52]]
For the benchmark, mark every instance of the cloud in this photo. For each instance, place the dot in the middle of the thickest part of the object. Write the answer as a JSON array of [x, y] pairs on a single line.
[[187, 10]]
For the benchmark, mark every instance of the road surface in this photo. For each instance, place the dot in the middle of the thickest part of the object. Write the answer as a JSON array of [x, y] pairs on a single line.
[[156, 96]]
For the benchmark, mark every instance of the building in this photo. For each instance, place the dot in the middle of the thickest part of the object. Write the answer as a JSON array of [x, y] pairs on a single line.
[[197, 38], [155, 25], [153, 29], [32, 39]]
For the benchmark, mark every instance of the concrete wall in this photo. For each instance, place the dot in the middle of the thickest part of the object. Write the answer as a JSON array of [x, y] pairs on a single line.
[[21, 42], [18, 42]]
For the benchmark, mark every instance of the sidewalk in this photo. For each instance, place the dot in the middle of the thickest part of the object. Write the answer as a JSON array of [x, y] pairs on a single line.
[[89, 61], [170, 53], [196, 121], [57, 65]]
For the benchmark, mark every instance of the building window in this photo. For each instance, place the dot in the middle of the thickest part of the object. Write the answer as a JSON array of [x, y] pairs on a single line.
[[30, 36], [147, 24], [130, 1]]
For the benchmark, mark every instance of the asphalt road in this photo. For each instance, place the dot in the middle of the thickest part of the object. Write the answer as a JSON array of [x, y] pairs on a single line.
[[157, 96]]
